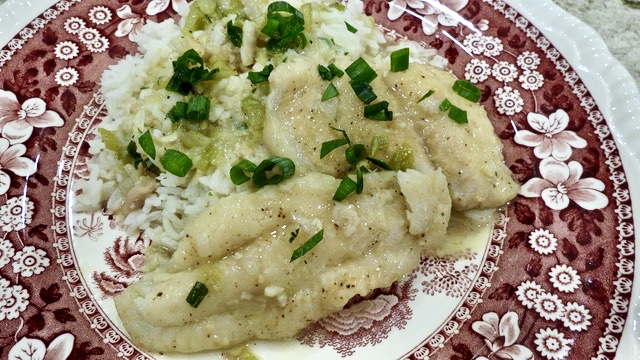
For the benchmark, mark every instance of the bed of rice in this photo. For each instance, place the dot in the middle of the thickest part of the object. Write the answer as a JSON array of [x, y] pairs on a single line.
[[135, 103]]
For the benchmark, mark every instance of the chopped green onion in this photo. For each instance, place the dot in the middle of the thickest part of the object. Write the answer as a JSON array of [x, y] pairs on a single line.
[[335, 70], [400, 60], [308, 245], [351, 28], [378, 111], [176, 162], [234, 34], [188, 70], [329, 146], [198, 108], [346, 187], [178, 111], [379, 163], [263, 173], [355, 153], [146, 143], [467, 90], [360, 179], [445, 105], [429, 93], [132, 150], [294, 235], [329, 92], [237, 172], [458, 115], [197, 294], [285, 26], [360, 70], [363, 90], [325, 73], [257, 77]]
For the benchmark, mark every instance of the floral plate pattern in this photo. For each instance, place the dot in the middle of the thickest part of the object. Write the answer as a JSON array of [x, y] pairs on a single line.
[[554, 279]]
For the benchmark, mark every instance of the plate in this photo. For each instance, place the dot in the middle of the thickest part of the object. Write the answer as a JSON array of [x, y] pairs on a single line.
[[553, 278]]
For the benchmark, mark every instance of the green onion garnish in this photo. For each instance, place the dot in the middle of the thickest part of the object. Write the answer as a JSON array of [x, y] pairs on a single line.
[[294, 235], [257, 77], [360, 70], [238, 172], [285, 26], [329, 146], [329, 92], [132, 150], [445, 105], [400, 60], [188, 70], [325, 73], [234, 34], [378, 111], [467, 90], [335, 70], [360, 179], [458, 115], [197, 294], [308, 245], [346, 187], [198, 108], [429, 93], [264, 173], [379, 163], [351, 28], [146, 143], [176, 162], [364, 91], [355, 153], [178, 111]]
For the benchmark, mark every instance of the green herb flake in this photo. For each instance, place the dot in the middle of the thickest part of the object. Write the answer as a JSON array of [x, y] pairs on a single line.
[[146, 143], [294, 235], [360, 70], [257, 77], [355, 153], [325, 73], [188, 70], [198, 108], [445, 105], [379, 163], [345, 188], [458, 115], [234, 34], [330, 92], [178, 111], [360, 179], [350, 27], [425, 96], [400, 60], [378, 111], [238, 172], [467, 90], [363, 90], [176, 162], [307, 246], [284, 27], [273, 171], [335, 70], [198, 292], [329, 146]]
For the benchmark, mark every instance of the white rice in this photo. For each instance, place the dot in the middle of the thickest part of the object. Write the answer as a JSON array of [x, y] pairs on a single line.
[[135, 102]]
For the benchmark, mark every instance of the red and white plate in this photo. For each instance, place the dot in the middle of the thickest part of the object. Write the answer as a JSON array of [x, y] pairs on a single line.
[[554, 279]]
